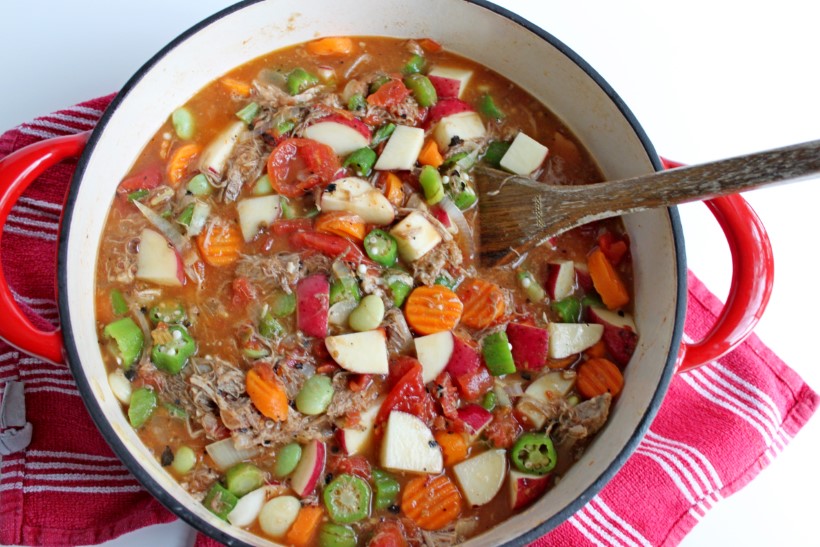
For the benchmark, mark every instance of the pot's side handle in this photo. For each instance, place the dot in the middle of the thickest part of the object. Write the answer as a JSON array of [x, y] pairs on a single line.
[[752, 280], [17, 171]]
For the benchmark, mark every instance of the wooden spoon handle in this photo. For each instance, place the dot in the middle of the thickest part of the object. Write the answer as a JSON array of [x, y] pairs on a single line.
[[685, 184]]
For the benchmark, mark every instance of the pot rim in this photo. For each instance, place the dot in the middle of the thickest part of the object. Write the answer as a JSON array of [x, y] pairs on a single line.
[[171, 503]]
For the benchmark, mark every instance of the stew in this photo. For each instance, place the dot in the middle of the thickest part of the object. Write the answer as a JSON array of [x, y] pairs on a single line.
[[292, 315]]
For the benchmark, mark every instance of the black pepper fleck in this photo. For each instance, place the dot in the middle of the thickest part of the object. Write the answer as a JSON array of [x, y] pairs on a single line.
[[167, 457]]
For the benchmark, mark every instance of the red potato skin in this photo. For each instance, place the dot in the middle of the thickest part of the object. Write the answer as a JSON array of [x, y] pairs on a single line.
[[312, 303], [355, 123], [530, 346], [464, 360], [621, 343], [526, 490], [446, 88], [553, 271], [475, 417], [447, 107]]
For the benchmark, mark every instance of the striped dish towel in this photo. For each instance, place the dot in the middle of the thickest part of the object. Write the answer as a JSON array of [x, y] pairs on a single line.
[[67, 488]]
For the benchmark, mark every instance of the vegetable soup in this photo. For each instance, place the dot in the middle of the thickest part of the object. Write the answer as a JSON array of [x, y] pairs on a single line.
[[293, 316]]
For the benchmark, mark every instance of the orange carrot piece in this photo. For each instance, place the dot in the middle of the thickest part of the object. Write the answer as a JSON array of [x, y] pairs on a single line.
[[453, 446], [597, 376], [430, 154], [483, 302], [341, 223], [607, 281], [393, 189], [429, 45], [182, 157], [305, 526], [267, 393], [332, 45], [566, 362], [432, 309], [220, 243], [596, 350], [431, 502], [237, 87]]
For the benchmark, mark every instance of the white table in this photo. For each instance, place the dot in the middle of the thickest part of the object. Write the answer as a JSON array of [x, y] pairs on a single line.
[[707, 79]]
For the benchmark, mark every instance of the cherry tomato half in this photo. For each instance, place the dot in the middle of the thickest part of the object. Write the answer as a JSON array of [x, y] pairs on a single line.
[[297, 165]]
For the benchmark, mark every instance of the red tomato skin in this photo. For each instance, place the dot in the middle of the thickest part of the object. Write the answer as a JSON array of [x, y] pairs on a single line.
[[297, 165]]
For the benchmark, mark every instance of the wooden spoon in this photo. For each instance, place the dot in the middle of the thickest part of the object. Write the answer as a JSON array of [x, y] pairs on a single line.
[[518, 213]]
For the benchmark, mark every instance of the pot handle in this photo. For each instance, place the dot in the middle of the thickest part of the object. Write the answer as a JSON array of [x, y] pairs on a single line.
[[752, 280], [17, 171]]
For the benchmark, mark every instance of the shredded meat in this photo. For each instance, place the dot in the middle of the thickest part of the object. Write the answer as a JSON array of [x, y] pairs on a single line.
[[199, 480], [582, 421], [345, 401], [444, 256], [399, 337], [278, 271], [273, 96], [245, 165]]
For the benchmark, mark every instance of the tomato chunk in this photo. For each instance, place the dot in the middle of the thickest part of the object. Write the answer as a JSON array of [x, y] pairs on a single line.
[[297, 165], [408, 395]]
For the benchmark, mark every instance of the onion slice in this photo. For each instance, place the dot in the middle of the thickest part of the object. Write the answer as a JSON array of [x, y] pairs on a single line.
[[466, 233], [225, 455]]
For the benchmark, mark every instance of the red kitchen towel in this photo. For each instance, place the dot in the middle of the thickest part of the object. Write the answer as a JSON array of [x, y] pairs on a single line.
[[67, 488]]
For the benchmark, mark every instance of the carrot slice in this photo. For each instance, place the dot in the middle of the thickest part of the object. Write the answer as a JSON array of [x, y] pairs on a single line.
[[431, 502], [483, 302], [182, 157], [267, 393], [238, 87], [430, 154], [341, 223], [596, 350], [429, 45], [566, 362], [393, 189], [607, 281], [432, 309], [305, 526], [453, 446], [332, 45], [597, 376], [220, 243]]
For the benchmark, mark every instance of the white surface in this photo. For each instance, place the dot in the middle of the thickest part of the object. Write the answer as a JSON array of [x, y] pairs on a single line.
[[706, 80]]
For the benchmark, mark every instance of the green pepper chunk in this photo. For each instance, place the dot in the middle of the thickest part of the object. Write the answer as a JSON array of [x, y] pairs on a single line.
[[488, 107], [465, 199], [378, 82], [128, 338], [361, 161], [299, 80], [568, 309], [490, 400], [356, 102], [336, 535], [497, 354], [386, 489], [414, 65], [173, 356], [399, 290], [495, 151], [346, 288], [248, 113], [244, 477], [347, 499], [422, 88], [534, 453], [431, 183], [170, 312], [186, 216], [220, 501], [137, 195], [382, 134], [142, 406], [118, 304], [381, 247]]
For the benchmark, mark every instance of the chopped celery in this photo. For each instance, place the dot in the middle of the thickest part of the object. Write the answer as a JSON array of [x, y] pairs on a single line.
[[269, 326], [118, 304], [345, 289], [285, 127], [535, 292], [244, 477], [248, 113], [175, 411], [490, 400], [138, 194], [399, 290], [283, 304], [186, 215], [465, 199], [199, 185], [378, 82], [568, 309], [445, 281]]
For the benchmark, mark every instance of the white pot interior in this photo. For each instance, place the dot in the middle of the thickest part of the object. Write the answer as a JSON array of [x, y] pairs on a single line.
[[468, 29]]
